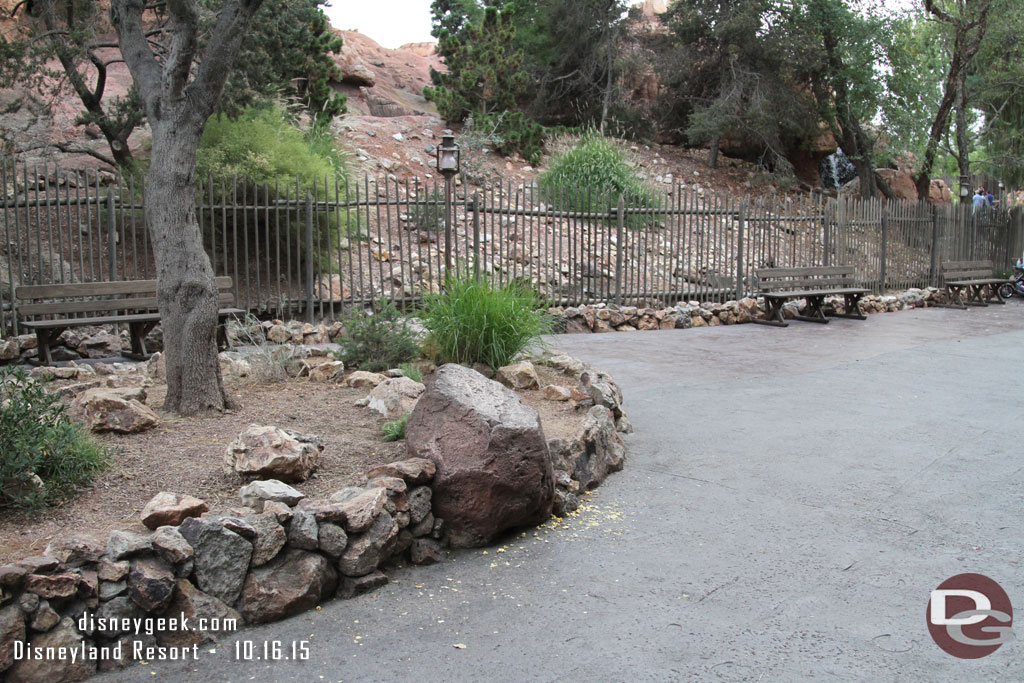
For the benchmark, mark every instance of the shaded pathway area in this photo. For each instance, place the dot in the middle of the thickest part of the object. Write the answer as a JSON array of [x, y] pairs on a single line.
[[790, 499]]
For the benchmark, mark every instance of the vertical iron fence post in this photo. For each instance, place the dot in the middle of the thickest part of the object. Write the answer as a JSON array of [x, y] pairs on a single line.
[[476, 235], [884, 245], [620, 230], [309, 256], [741, 226], [933, 264], [111, 238]]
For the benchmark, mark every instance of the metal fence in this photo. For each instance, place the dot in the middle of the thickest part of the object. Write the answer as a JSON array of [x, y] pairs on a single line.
[[317, 251]]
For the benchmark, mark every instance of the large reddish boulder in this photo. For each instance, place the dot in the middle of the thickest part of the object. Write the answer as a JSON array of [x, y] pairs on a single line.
[[493, 468]]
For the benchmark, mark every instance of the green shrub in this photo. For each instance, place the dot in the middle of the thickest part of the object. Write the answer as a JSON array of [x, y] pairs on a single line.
[[477, 322], [268, 154], [517, 133], [44, 455], [412, 372], [594, 169], [395, 430], [377, 341]]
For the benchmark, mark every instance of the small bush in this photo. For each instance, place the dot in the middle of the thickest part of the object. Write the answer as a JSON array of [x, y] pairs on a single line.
[[395, 430], [268, 363], [516, 133], [594, 166], [377, 341], [412, 372], [477, 322], [44, 455], [272, 158]]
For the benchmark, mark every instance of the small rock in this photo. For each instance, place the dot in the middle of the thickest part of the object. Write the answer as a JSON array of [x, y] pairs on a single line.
[[45, 618], [414, 471], [351, 586], [171, 509], [394, 397], [291, 583], [303, 531], [361, 378], [553, 392], [53, 585], [171, 545], [267, 452], [108, 570], [123, 544], [521, 375], [221, 558], [150, 584], [425, 551], [332, 539], [255, 494]]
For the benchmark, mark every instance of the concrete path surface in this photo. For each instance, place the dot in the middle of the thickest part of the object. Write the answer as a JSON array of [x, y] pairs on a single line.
[[791, 498]]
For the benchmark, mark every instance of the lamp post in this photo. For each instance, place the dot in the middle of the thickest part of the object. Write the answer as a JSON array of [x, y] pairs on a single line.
[[965, 188], [448, 157]]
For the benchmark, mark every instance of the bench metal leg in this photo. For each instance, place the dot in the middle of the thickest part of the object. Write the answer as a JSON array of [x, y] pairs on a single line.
[[774, 313], [44, 338], [852, 303], [137, 332], [955, 300], [816, 315]]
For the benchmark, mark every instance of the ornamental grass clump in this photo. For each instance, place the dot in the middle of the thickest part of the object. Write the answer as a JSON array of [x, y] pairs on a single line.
[[591, 175], [44, 455], [476, 321]]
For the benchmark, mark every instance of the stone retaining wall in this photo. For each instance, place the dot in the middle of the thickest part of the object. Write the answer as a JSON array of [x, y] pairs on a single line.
[[102, 342], [611, 318], [274, 556]]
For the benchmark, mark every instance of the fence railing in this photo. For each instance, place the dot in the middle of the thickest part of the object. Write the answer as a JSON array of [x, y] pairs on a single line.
[[316, 251]]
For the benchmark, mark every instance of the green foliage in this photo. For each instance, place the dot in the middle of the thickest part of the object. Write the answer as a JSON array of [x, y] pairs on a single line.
[[484, 73], [261, 147], [479, 322], [594, 164], [998, 82], [412, 372], [395, 430], [38, 439], [287, 53], [517, 133], [378, 340], [577, 53]]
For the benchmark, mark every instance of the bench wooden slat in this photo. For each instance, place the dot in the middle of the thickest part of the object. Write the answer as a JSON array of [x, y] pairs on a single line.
[[815, 292], [128, 318], [95, 306], [812, 271], [80, 289]]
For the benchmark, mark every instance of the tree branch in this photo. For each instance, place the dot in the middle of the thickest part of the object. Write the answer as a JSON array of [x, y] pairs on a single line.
[[126, 16], [178, 65], [70, 148], [218, 56]]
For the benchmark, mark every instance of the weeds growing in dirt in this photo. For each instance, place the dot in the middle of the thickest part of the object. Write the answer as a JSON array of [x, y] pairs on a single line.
[[44, 455]]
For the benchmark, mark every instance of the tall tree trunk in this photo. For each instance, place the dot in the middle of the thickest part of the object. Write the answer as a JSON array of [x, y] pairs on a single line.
[[186, 292], [963, 154], [967, 35], [713, 151]]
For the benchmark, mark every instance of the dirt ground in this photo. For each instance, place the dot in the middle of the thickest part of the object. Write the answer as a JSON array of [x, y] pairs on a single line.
[[186, 455]]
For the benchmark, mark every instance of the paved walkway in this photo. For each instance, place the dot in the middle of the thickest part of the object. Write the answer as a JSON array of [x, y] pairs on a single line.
[[791, 498]]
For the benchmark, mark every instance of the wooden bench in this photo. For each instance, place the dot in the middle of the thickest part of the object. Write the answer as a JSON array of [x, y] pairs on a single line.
[[779, 285], [58, 307], [976, 279]]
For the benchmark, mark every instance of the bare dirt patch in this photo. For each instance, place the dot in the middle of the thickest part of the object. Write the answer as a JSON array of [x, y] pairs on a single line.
[[186, 455]]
